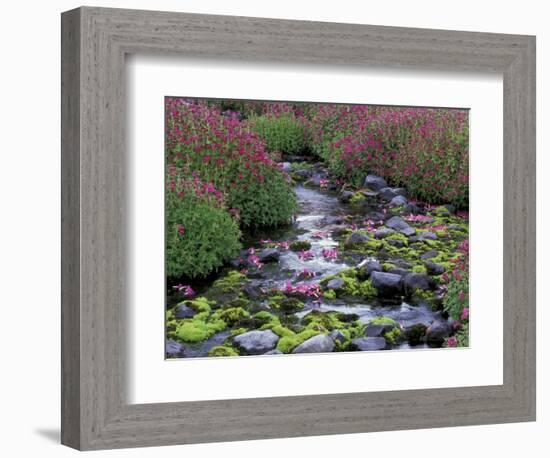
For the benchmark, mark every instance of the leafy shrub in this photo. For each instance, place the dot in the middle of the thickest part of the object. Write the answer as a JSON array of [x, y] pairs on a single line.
[[220, 150], [424, 149], [200, 233], [283, 133]]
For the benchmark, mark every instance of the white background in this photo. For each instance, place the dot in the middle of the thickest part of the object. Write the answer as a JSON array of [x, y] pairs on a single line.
[[29, 250], [150, 79]]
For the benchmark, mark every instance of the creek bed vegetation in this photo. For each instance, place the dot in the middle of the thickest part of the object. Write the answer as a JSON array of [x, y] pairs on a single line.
[[314, 228]]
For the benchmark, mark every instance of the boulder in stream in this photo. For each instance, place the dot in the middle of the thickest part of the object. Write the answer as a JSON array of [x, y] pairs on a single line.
[[256, 342]]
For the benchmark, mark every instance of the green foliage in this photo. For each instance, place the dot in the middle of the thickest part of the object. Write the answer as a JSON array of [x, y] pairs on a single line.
[[352, 285], [285, 304], [200, 236], [287, 343], [284, 133], [456, 298], [231, 315], [266, 203]]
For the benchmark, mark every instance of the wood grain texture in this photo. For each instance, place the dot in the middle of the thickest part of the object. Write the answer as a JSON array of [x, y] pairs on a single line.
[[96, 414]]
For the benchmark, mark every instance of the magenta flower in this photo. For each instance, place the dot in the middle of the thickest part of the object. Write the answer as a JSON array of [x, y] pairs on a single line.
[[305, 255], [185, 289], [461, 296], [181, 229], [308, 273], [329, 254], [255, 260], [452, 342], [465, 313]]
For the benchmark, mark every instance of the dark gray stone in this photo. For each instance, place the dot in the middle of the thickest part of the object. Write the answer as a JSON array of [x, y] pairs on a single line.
[[368, 344], [427, 236], [274, 352], [183, 311], [336, 284], [437, 332], [400, 225], [414, 281], [338, 336], [366, 268], [415, 334], [376, 330], [389, 193], [412, 209], [375, 182], [429, 254], [383, 232], [398, 201], [434, 269], [316, 344], [331, 219], [357, 238], [387, 284], [399, 271], [256, 342], [345, 196], [174, 349], [269, 255]]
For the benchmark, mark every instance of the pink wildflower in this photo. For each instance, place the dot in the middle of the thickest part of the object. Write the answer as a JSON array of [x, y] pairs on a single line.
[[452, 342], [465, 313]]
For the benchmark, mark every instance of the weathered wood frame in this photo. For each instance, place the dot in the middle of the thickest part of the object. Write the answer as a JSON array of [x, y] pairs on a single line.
[[95, 414]]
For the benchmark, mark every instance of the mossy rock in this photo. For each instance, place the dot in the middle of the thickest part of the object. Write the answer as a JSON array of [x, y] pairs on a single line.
[[285, 304], [299, 245], [221, 351], [393, 331]]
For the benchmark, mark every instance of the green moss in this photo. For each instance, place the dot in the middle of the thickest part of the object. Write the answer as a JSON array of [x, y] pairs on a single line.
[[287, 343], [231, 315], [380, 320], [282, 331], [236, 332], [352, 285], [391, 335], [357, 198], [285, 304], [329, 294], [231, 281], [299, 245], [197, 330], [387, 266], [327, 321], [199, 305], [399, 237], [441, 234], [419, 269], [223, 351]]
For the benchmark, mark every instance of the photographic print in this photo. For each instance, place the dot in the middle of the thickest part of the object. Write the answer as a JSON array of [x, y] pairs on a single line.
[[294, 227]]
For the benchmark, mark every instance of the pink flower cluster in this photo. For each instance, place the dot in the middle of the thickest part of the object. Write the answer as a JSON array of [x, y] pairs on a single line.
[[306, 289]]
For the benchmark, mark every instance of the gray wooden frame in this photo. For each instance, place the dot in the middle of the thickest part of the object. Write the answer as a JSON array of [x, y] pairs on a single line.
[[95, 413]]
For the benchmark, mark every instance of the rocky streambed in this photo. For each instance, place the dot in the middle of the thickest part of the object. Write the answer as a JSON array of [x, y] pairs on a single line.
[[358, 270]]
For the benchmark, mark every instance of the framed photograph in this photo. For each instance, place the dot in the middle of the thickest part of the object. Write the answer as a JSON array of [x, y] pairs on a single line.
[[277, 228]]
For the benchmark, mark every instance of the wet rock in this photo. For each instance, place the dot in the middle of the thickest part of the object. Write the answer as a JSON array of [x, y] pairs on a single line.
[[332, 219], [412, 209], [183, 311], [389, 193], [345, 196], [336, 284], [366, 268], [414, 281], [400, 225], [376, 330], [387, 284], [396, 243], [434, 269], [269, 255], [451, 208], [316, 344], [415, 334], [398, 201], [174, 349], [375, 182], [286, 167], [368, 344], [377, 216], [338, 336], [357, 238], [273, 352], [437, 332], [427, 236], [383, 232], [399, 271], [256, 342], [429, 254]]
